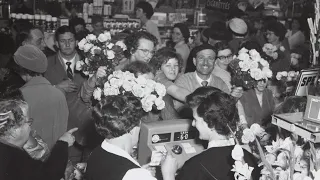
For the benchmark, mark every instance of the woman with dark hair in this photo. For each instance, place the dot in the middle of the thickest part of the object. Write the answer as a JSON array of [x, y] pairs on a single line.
[[216, 118], [180, 37], [275, 34], [140, 46], [117, 118], [295, 35], [15, 162]]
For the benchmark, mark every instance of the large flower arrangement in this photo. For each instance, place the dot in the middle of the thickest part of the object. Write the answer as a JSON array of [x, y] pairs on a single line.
[[100, 51], [284, 159], [249, 67], [119, 83]]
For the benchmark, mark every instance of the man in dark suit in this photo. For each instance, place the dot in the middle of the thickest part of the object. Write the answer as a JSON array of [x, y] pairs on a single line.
[[62, 74]]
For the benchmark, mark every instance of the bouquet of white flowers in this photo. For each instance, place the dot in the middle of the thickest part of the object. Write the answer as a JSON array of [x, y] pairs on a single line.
[[100, 51], [148, 91], [249, 67]]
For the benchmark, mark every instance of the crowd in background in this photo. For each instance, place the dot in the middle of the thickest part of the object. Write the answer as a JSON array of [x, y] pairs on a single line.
[[46, 103]]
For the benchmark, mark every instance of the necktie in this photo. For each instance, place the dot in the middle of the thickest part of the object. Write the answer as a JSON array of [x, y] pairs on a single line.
[[204, 83], [69, 71]]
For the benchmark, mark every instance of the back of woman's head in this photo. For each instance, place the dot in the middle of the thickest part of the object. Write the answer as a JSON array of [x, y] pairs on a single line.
[[139, 68], [219, 111], [115, 116], [11, 114], [163, 55]]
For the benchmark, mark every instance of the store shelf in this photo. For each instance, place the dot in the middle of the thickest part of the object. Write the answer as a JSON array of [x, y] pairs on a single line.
[[295, 123]]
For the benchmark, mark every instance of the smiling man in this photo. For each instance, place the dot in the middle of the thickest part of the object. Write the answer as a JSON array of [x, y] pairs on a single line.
[[204, 60]]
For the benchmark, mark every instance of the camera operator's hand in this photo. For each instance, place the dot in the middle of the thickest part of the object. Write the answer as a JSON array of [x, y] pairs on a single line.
[[67, 86], [69, 137]]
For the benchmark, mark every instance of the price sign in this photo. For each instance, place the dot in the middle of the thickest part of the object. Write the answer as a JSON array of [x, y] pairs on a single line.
[[307, 79], [223, 5]]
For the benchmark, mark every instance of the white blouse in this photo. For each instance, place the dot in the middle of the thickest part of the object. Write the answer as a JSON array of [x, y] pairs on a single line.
[[132, 174]]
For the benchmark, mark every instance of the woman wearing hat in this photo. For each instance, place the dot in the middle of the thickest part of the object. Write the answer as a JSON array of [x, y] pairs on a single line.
[[180, 37]]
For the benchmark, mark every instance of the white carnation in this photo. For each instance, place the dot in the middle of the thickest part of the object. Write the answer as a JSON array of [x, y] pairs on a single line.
[[103, 38], [244, 57], [256, 74], [159, 103], [243, 50], [142, 81], [111, 91], [122, 45], [110, 54], [79, 65], [127, 86], [87, 47], [278, 76], [254, 65], [138, 91], [284, 73], [267, 72], [97, 94], [91, 37], [264, 63], [82, 43], [244, 65], [160, 89], [110, 45], [254, 54], [115, 82]]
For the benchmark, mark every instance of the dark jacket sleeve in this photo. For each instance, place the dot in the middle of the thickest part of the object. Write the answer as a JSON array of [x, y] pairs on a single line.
[[55, 166]]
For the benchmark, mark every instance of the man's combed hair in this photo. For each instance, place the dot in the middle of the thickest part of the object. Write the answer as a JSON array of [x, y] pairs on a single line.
[[115, 116], [62, 30], [132, 41]]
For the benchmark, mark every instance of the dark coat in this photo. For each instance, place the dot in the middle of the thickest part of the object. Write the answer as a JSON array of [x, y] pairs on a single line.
[[252, 109], [16, 164], [79, 112]]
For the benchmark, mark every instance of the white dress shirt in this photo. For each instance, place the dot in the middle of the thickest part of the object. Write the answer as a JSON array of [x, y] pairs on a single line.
[[73, 63], [200, 80]]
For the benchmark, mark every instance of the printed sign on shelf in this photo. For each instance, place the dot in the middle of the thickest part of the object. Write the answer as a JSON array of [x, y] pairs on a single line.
[[307, 79], [223, 5]]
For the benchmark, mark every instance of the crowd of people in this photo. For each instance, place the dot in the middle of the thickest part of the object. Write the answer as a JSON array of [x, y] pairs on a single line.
[[47, 105]]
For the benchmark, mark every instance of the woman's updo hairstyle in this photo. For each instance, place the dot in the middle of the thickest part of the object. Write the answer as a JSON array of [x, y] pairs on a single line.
[[219, 111], [11, 114], [117, 115]]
